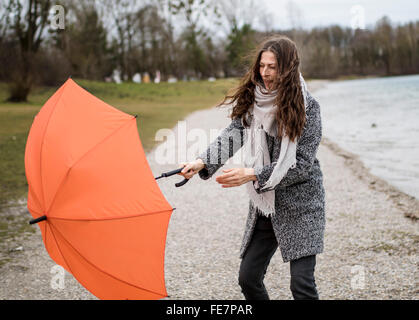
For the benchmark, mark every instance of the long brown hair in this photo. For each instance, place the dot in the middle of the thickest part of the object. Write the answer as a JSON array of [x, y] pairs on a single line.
[[290, 114]]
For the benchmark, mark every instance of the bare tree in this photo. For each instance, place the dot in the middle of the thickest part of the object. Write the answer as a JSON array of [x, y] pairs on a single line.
[[385, 37], [123, 17], [237, 13], [169, 37], [266, 18], [4, 47], [84, 41], [28, 22], [3, 21], [194, 13], [154, 38], [295, 15], [296, 18]]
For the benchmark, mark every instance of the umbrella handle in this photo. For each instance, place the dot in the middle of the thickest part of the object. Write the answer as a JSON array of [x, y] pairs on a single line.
[[179, 184], [171, 173]]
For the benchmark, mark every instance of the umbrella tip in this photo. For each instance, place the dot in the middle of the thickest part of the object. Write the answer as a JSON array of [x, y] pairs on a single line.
[[136, 116], [39, 219]]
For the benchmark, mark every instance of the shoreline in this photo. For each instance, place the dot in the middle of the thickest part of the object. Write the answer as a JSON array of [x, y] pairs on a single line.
[[405, 202]]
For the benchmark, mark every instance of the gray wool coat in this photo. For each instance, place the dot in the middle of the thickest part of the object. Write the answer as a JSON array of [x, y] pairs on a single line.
[[299, 219]]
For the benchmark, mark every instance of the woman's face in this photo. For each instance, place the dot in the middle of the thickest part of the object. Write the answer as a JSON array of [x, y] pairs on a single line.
[[268, 68]]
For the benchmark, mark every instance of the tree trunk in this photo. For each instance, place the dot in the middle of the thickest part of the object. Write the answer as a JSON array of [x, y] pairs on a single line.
[[19, 91]]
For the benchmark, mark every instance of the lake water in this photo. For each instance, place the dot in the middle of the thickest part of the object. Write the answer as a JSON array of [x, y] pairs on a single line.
[[377, 119]]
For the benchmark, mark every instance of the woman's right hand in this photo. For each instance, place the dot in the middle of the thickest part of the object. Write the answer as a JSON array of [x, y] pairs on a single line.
[[191, 168]]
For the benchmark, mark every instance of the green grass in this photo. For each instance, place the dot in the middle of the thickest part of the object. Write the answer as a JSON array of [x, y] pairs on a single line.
[[157, 106]]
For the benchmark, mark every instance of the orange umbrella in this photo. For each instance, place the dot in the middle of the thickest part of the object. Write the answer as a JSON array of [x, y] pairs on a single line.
[[101, 213]]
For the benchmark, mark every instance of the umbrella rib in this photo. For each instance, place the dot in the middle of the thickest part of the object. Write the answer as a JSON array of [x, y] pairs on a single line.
[[35, 197], [42, 143], [113, 218], [45, 228], [58, 246], [88, 151], [35, 211], [93, 265]]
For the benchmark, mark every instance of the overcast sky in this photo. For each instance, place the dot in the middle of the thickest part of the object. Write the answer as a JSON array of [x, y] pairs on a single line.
[[326, 12]]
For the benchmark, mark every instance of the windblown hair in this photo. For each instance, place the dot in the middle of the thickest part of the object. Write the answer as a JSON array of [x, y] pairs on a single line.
[[290, 114]]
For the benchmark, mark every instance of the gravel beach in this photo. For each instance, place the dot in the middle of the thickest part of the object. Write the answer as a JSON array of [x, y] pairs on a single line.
[[371, 237]]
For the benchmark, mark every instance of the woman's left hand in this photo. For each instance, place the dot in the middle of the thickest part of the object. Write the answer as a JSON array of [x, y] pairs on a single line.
[[236, 177]]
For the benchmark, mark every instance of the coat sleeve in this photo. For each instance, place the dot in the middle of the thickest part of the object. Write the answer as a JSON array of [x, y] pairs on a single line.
[[307, 147], [221, 149]]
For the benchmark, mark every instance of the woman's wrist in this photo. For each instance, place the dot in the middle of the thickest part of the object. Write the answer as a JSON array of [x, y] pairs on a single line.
[[200, 163], [250, 173]]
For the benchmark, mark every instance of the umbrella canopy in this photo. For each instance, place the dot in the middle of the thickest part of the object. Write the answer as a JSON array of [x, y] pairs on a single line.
[[106, 218]]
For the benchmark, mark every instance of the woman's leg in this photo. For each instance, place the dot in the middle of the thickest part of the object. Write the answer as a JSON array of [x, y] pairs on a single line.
[[256, 260], [303, 285]]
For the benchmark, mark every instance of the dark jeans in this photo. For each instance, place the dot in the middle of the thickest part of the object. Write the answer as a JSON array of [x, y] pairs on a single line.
[[256, 260]]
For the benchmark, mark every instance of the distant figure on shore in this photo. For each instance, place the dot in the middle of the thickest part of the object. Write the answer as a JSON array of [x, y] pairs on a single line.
[[157, 79], [278, 124], [136, 78], [146, 78]]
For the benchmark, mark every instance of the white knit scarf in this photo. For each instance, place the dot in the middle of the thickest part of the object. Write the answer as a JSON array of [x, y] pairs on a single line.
[[256, 153]]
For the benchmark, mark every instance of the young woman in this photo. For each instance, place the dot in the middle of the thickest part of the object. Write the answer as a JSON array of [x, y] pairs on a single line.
[[278, 123]]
